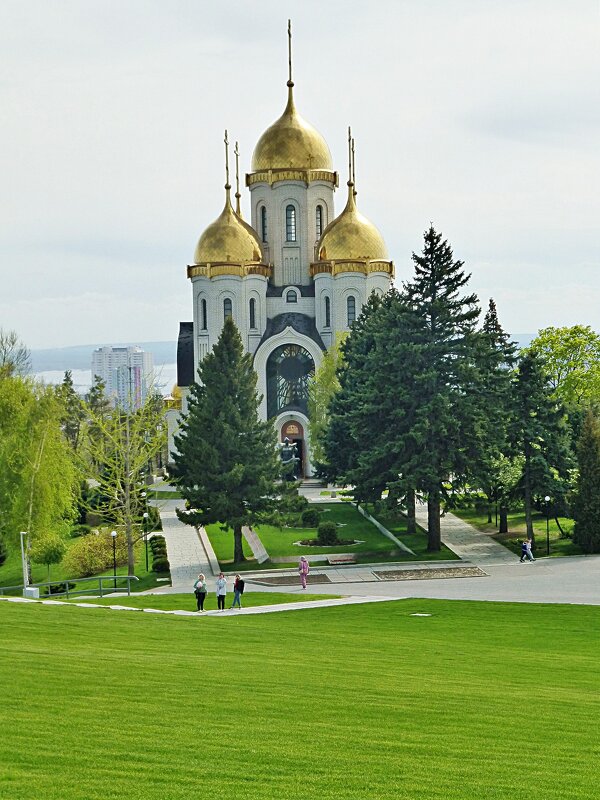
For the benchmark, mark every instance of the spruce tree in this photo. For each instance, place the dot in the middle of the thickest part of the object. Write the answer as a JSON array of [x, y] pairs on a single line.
[[587, 498], [226, 465], [74, 410], [449, 420]]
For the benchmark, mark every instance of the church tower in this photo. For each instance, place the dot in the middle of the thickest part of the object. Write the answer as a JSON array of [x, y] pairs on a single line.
[[292, 279]]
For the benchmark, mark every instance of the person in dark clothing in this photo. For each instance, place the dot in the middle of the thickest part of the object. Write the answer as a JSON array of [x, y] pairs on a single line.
[[238, 591]]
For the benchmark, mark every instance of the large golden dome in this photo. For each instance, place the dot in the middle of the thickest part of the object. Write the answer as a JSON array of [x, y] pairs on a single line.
[[351, 237], [291, 143], [228, 240]]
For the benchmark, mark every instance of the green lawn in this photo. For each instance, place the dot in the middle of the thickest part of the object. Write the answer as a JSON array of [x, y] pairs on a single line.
[[187, 602], [279, 542], [396, 524], [11, 573], [480, 700], [517, 530]]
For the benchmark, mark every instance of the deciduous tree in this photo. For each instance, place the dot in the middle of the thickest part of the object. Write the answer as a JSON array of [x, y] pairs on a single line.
[[587, 493]]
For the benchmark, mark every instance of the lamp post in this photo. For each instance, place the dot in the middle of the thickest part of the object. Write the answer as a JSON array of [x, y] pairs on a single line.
[[24, 561], [114, 538], [547, 499], [146, 515]]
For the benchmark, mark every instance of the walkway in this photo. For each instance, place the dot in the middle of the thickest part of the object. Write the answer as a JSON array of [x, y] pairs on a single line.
[[184, 549]]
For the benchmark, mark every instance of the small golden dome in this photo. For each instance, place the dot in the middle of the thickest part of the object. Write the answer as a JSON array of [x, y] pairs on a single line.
[[291, 143], [228, 240], [351, 237]]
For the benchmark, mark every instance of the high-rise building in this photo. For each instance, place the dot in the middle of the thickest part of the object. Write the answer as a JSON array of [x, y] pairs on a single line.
[[127, 373], [292, 279]]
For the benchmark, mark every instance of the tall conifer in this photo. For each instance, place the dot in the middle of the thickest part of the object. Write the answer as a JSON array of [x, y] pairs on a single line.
[[227, 465], [587, 502]]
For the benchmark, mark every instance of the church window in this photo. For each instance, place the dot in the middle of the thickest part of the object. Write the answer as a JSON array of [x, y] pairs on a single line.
[[327, 312], [252, 313], [227, 308], [319, 221], [263, 223], [203, 320], [289, 369], [291, 297], [290, 224], [351, 309]]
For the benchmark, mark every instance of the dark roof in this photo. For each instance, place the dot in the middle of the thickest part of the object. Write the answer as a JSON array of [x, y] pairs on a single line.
[[185, 354], [301, 323]]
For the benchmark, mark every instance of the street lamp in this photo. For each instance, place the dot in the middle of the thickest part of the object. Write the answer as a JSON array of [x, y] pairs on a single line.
[[547, 499], [114, 538], [146, 515]]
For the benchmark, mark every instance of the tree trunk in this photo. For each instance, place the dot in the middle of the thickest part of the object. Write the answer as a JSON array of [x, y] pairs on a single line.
[[434, 537], [503, 520], [411, 514], [489, 519], [527, 488], [238, 550]]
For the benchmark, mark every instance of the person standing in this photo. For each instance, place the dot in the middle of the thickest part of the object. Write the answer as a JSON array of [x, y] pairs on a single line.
[[523, 550], [221, 591], [238, 591], [303, 570], [529, 551], [200, 592]]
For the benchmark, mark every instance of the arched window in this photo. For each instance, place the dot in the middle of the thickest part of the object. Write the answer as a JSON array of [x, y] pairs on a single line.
[[319, 221], [252, 312], [227, 308], [203, 318], [263, 223], [291, 297], [327, 313], [289, 370], [351, 309], [290, 224]]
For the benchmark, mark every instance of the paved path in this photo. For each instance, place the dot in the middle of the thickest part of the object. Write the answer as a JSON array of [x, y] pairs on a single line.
[[184, 549]]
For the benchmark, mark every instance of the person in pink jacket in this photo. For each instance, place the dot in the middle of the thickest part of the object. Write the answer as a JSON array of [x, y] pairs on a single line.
[[303, 569]]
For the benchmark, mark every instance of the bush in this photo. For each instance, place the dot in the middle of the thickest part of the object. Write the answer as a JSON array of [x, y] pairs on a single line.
[[161, 564], [310, 518], [80, 530], [327, 533], [158, 543], [92, 554], [3, 551], [59, 588]]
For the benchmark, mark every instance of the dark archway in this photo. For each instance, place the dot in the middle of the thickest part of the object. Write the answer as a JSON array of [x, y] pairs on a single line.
[[289, 368]]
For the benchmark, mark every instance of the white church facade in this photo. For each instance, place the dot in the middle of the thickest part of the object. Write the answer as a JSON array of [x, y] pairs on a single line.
[[292, 279]]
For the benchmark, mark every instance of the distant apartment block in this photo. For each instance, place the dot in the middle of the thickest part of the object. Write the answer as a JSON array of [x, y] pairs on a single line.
[[127, 373]]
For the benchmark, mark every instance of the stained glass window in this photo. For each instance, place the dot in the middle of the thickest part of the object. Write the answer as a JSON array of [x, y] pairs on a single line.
[[289, 369]]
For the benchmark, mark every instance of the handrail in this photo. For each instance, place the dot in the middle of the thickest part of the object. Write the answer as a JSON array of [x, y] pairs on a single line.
[[99, 578]]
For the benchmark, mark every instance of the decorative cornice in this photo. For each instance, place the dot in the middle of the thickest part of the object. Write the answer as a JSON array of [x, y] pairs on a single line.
[[366, 267], [307, 176], [243, 270]]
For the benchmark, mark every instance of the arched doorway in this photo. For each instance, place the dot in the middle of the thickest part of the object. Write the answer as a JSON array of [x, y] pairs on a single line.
[[292, 436]]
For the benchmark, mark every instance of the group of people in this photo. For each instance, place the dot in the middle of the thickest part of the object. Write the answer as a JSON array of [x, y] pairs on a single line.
[[526, 553], [200, 590]]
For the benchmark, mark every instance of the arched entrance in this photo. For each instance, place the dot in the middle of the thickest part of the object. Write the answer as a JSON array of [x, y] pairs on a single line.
[[292, 435], [289, 368]]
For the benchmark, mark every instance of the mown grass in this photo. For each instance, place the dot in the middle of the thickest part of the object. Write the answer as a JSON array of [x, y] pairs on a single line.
[[279, 542], [396, 524], [479, 700], [187, 602], [517, 530]]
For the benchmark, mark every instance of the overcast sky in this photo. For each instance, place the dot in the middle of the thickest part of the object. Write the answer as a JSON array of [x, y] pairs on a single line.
[[481, 117]]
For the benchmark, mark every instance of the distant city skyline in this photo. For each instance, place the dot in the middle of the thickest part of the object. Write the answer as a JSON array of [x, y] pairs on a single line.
[[482, 118]]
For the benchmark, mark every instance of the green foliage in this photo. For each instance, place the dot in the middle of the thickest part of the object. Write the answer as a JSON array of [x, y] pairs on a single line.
[[80, 530], [323, 385], [160, 564], [94, 553], [226, 465], [73, 410], [48, 550], [15, 358], [327, 533], [587, 502], [3, 551], [310, 518]]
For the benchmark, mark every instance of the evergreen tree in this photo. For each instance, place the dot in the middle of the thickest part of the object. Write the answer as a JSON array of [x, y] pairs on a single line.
[[538, 433], [226, 464], [449, 422], [73, 410], [587, 497]]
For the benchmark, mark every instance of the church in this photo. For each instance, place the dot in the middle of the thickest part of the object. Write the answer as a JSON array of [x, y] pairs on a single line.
[[292, 279]]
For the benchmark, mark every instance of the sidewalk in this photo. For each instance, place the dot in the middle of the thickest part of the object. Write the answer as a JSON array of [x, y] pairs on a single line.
[[184, 549]]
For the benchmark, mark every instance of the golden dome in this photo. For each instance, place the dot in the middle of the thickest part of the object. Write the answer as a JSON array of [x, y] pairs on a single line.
[[351, 237], [291, 143], [228, 240]]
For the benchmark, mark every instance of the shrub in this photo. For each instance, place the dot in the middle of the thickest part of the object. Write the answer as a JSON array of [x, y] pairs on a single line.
[[59, 588], [160, 565], [92, 554], [327, 533], [3, 551], [310, 518], [158, 543], [80, 530]]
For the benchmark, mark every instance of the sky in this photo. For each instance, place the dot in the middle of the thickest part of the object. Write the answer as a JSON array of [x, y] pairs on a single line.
[[480, 117]]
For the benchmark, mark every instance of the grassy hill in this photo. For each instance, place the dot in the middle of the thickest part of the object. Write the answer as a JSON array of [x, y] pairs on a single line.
[[479, 700]]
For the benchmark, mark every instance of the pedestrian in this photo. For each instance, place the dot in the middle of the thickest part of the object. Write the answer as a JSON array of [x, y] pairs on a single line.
[[529, 553], [238, 591], [303, 570], [523, 550], [200, 591], [221, 591]]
